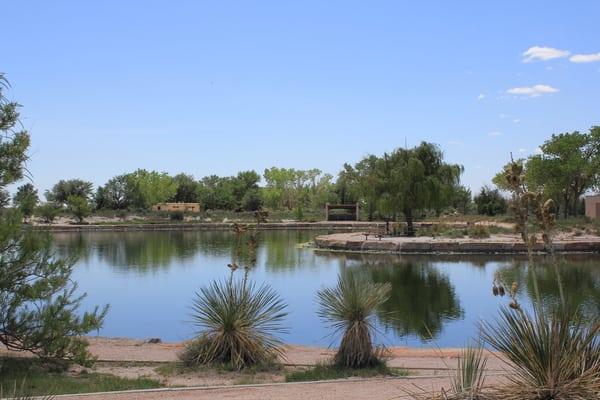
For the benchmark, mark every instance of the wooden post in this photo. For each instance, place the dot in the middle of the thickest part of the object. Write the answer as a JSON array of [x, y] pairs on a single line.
[[357, 211], [326, 211]]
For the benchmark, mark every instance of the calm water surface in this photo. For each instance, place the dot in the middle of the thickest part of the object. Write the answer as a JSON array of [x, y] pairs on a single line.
[[149, 280]]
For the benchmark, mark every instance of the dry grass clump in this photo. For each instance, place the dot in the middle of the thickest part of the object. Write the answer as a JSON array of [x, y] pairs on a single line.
[[349, 308]]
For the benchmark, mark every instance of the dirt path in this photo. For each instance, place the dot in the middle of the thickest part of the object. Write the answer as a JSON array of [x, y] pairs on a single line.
[[131, 358]]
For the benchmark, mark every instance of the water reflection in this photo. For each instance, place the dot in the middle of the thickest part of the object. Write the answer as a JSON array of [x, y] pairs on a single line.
[[149, 279], [578, 274]]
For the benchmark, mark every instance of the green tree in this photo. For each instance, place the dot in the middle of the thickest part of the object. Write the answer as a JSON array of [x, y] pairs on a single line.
[[568, 167], [150, 187], [216, 193], [79, 207], [415, 179], [39, 312], [490, 202], [462, 199], [61, 191], [187, 189], [48, 212], [26, 199], [116, 194]]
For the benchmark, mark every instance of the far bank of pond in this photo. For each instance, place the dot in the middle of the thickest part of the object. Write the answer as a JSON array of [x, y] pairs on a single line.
[[150, 278]]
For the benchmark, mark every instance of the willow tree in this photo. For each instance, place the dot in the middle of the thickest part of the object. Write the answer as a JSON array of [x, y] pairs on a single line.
[[38, 302], [415, 179]]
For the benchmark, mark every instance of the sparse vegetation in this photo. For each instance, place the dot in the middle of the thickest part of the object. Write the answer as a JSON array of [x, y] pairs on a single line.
[[29, 377], [322, 372]]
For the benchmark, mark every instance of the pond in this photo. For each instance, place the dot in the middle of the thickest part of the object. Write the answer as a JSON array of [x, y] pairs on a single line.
[[150, 278]]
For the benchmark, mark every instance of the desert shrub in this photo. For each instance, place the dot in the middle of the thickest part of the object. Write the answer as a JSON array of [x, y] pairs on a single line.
[[79, 207], [349, 308], [176, 216], [238, 322], [478, 232], [553, 355]]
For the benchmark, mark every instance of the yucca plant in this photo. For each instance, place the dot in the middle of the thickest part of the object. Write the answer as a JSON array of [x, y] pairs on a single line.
[[469, 377], [552, 354], [238, 322], [349, 308]]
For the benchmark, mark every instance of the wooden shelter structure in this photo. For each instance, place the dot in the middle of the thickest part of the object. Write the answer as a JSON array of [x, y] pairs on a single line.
[[341, 212]]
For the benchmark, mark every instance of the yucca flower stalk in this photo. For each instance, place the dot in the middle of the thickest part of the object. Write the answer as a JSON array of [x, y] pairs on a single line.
[[349, 308]]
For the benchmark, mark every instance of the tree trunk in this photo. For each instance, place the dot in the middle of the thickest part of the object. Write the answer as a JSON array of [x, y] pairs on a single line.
[[410, 229]]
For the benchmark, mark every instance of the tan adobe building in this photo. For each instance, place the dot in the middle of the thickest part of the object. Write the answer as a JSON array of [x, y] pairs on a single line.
[[184, 207], [592, 206]]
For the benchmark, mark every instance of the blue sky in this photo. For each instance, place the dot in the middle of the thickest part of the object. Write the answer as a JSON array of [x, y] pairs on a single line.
[[216, 87]]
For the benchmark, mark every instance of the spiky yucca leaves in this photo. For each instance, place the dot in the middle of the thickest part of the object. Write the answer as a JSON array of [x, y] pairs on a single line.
[[553, 355], [238, 322], [350, 309], [469, 377]]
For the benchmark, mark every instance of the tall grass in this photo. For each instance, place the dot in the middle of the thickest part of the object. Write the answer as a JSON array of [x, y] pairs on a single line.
[[349, 308], [238, 322], [467, 380]]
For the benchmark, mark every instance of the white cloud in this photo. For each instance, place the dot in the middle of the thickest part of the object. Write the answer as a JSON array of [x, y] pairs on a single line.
[[538, 150], [517, 120], [522, 150], [533, 91], [455, 143], [537, 53], [502, 115], [585, 58], [481, 96], [495, 133]]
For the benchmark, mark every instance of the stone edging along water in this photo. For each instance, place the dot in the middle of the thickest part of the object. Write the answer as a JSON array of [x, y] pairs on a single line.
[[205, 226], [447, 246]]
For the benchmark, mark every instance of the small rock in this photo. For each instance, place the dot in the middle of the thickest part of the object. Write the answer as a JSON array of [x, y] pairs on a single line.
[[154, 341]]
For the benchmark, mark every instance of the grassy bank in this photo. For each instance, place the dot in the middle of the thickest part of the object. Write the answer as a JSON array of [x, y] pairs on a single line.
[[31, 377]]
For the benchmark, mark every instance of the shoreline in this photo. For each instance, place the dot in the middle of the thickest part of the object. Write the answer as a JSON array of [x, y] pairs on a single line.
[[205, 226], [495, 244]]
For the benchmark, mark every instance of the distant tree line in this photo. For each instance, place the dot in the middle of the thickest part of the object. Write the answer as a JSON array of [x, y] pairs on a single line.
[[567, 167], [406, 183]]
